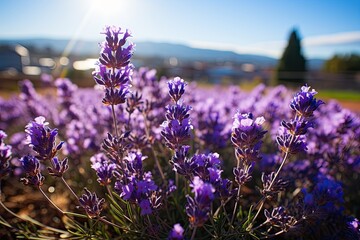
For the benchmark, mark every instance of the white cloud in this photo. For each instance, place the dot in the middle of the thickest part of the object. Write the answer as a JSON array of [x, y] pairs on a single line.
[[332, 39], [275, 48]]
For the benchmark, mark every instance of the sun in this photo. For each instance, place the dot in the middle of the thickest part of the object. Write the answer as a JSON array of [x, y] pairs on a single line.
[[110, 8]]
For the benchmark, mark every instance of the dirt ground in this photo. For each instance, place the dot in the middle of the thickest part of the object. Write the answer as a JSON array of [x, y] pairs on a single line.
[[353, 106]]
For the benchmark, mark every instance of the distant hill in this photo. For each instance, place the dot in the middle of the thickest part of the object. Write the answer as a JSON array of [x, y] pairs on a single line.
[[155, 49]]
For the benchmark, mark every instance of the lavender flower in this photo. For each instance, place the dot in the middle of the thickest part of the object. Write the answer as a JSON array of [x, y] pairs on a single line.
[[280, 218], [115, 96], [176, 88], [114, 70], [290, 138], [145, 207], [116, 147], [246, 136], [177, 127], [31, 167], [135, 185], [105, 173], [177, 233], [91, 203], [271, 185], [42, 139], [114, 54], [175, 132], [59, 167], [304, 102], [198, 208], [246, 132], [5, 156]]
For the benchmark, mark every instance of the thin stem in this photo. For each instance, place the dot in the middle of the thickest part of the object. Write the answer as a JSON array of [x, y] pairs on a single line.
[[261, 203], [70, 189], [109, 192], [158, 165], [219, 208], [102, 219], [238, 193], [50, 201], [273, 235], [128, 121], [273, 180], [264, 223], [193, 233], [281, 165], [27, 218], [236, 204], [115, 121], [224, 209], [212, 222]]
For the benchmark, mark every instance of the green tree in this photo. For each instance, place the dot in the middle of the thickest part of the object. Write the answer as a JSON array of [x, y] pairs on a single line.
[[292, 65], [349, 64]]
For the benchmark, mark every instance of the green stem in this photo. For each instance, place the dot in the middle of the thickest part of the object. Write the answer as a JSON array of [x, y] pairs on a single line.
[[193, 233], [238, 193], [115, 121], [50, 201], [109, 192], [236, 204], [262, 201], [70, 189], [29, 219]]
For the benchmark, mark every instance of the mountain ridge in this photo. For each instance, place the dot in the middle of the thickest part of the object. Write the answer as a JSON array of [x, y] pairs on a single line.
[[154, 49]]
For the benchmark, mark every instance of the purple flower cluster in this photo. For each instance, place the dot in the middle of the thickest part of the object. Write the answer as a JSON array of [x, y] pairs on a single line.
[[137, 186], [42, 139], [198, 208], [177, 233], [114, 70], [31, 167], [177, 127], [247, 134], [5, 156], [91, 203], [304, 104]]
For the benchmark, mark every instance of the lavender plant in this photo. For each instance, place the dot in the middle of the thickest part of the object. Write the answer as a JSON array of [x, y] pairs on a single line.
[[165, 159]]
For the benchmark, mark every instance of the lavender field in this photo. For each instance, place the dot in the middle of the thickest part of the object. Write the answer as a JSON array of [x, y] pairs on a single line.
[[142, 157]]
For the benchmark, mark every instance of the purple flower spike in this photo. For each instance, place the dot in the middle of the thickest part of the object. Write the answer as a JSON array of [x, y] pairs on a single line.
[[30, 164], [279, 217], [247, 132], [91, 203], [176, 133], [5, 156], [59, 167], [243, 175], [145, 207], [304, 102], [115, 96], [204, 192], [177, 233], [114, 54], [176, 88], [105, 173], [42, 139], [31, 167], [114, 70], [198, 208]]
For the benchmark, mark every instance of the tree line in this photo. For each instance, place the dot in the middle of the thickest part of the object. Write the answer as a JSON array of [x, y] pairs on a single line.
[[292, 67]]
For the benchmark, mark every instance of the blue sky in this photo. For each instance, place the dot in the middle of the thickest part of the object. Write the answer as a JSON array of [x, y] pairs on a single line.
[[251, 26]]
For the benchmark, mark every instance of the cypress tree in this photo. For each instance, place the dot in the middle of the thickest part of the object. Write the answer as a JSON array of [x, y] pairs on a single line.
[[292, 65]]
